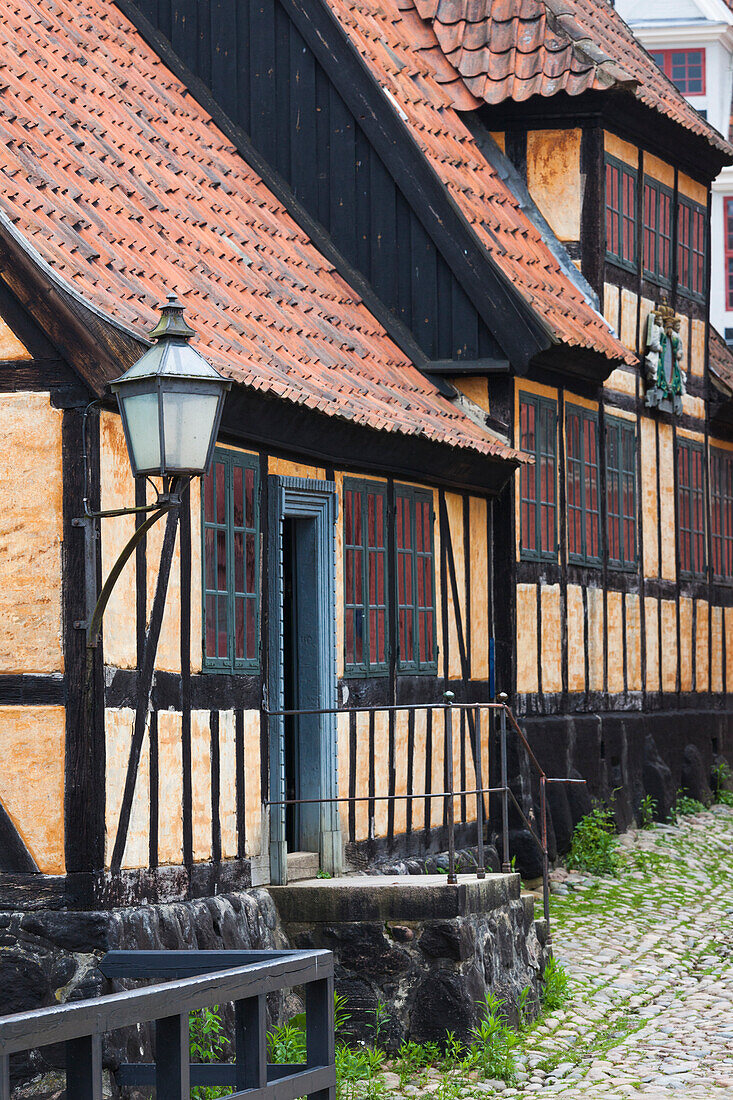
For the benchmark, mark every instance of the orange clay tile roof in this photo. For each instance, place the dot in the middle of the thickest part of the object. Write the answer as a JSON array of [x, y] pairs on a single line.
[[514, 49], [403, 54], [721, 359], [123, 184]]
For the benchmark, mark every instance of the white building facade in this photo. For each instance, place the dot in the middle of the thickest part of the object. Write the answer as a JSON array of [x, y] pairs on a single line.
[[692, 42]]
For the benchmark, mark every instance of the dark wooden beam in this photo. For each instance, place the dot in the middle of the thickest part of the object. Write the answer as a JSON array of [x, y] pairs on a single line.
[[144, 685], [84, 791], [256, 420]]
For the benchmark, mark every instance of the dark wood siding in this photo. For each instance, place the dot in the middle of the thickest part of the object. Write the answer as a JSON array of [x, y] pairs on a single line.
[[261, 72]]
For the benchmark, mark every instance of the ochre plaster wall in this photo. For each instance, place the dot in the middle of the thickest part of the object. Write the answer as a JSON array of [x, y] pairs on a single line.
[[32, 779], [554, 181], [31, 531]]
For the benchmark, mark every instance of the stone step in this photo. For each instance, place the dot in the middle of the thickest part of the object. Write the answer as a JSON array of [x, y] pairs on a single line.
[[302, 865]]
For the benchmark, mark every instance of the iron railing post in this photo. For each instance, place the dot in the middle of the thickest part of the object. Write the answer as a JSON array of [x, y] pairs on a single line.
[[545, 860], [481, 868], [506, 866], [449, 697]]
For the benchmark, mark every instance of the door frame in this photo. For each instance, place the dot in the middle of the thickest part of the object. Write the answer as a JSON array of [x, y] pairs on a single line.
[[303, 498]]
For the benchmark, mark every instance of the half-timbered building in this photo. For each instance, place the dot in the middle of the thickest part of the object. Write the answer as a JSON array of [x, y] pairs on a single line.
[[455, 264]]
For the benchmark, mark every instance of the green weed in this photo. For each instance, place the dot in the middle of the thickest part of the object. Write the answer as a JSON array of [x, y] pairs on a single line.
[[594, 844], [684, 805], [493, 1046], [555, 986], [647, 809], [208, 1044], [721, 777]]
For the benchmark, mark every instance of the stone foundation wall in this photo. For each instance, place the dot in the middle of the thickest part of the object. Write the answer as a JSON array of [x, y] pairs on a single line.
[[52, 956], [426, 952]]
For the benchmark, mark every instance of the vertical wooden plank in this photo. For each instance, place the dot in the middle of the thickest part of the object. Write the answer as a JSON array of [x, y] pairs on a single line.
[[372, 775], [343, 176], [320, 1037], [285, 90], [154, 790], [186, 680], [383, 219], [410, 769], [352, 776], [303, 120], [423, 287], [172, 1069], [4, 1077], [263, 119], [83, 1068], [84, 788], [428, 768], [240, 782], [215, 787], [250, 1042], [392, 782]]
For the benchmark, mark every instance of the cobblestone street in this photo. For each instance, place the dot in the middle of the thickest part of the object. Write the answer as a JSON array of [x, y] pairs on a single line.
[[650, 957]]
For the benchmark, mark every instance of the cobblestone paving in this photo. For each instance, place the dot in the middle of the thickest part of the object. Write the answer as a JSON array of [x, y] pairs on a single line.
[[650, 956]]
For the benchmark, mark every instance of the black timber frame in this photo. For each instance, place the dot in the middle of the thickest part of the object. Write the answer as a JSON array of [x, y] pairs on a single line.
[[520, 332]]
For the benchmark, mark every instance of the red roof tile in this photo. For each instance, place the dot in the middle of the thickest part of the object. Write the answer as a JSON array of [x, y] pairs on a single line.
[[514, 49], [123, 184], [384, 32]]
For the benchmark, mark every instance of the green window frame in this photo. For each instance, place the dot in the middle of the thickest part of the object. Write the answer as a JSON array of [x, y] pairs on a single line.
[[621, 534], [721, 509], [583, 485], [692, 231], [538, 483], [417, 649], [621, 213], [366, 578], [691, 508], [230, 558], [657, 231]]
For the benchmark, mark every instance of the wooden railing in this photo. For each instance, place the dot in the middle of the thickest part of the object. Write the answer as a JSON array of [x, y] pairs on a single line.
[[196, 980]]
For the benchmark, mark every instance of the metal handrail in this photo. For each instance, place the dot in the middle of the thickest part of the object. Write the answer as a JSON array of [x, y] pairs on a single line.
[[81, 1025], [448, 705]]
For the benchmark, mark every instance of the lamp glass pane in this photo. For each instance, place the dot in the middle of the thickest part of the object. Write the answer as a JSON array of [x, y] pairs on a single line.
[[141, 413], [188, 421]]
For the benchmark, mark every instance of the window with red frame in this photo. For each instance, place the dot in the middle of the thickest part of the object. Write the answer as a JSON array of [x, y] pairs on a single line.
[[538, 483], [621, 492], [620, 213], [691, 244], [728, 209], [657, 231], [685, 68], [690, 507], [721, 500], [365, 577], [581, 427], [415, 579]]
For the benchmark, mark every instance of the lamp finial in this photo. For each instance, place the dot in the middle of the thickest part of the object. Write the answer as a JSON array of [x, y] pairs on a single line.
[[171, 322]]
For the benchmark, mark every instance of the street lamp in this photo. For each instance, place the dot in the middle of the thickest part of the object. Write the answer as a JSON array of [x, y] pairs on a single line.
[[170, 402]]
